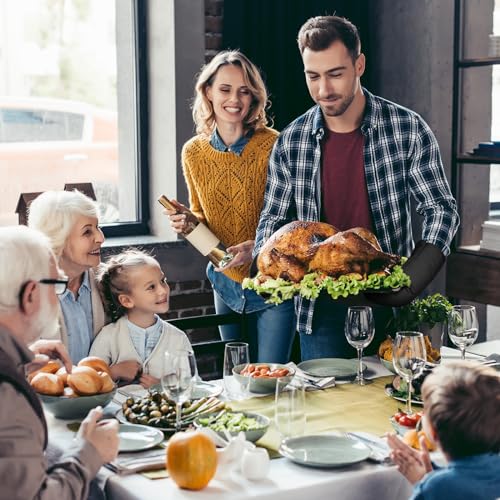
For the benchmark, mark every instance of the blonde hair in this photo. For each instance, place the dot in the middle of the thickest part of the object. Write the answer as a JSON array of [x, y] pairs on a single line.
[[25, 255], [462, 403], [54, 213], [113, 278], [203, 111]]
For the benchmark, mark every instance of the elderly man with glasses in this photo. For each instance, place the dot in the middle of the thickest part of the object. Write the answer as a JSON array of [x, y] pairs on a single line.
[[29, 284]]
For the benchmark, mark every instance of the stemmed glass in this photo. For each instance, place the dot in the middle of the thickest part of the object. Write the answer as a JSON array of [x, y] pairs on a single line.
[[409, 359], [462, 326], [179, 374], [359, 331]]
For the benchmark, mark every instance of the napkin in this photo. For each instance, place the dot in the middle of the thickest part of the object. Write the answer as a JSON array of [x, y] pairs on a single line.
[[311, 383], [130, 463]]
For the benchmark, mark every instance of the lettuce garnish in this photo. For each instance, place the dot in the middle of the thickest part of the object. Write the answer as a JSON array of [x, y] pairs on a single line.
[[279, 290]]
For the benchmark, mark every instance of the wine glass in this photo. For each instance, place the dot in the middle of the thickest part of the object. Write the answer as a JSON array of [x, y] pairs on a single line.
[[359, 331], [178, 377], [235, 353], [462, 326], [409, 359], [290, 408]]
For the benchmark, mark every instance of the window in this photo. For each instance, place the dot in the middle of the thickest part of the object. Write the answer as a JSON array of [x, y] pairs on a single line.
[[72, 104]]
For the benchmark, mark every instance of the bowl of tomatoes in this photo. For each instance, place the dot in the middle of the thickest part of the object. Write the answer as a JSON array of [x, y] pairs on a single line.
[[263, 376], [402, 422]]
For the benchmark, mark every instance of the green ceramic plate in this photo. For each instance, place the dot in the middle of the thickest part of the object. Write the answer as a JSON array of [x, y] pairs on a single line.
[[324, 451], [78, 407], [138, 437], [331, 367]]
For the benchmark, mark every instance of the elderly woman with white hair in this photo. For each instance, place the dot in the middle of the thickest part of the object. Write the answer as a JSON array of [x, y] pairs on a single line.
[[70, 220]]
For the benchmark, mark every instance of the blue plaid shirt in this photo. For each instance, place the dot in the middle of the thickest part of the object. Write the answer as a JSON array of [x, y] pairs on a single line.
[[401, 158]]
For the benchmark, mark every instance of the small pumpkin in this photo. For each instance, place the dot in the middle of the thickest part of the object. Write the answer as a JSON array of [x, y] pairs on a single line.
[[191, 459]]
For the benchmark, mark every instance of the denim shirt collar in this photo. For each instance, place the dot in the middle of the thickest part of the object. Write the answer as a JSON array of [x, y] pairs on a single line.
[[85, 284], [236, 148]]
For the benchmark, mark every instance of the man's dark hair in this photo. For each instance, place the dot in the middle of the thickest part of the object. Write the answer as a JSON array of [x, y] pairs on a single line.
[[318, 33]]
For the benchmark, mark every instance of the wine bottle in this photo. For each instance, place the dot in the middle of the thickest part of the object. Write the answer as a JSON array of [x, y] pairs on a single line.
[[199, 235]]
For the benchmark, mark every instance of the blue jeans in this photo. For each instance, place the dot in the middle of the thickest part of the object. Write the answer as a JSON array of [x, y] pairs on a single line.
[[327, 339], [269, 331]]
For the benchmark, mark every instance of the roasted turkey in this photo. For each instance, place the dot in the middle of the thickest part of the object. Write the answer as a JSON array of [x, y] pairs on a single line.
[[301, 247]]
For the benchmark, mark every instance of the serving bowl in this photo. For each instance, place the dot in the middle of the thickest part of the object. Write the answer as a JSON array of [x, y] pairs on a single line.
[[250, 435], [75, 407], [263, 385], [388, 364], [400, 429]]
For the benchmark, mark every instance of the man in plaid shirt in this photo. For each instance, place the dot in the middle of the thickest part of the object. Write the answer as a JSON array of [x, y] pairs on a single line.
[[352, 160]]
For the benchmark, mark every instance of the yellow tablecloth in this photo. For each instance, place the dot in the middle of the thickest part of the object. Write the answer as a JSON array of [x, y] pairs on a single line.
[[347, 407]]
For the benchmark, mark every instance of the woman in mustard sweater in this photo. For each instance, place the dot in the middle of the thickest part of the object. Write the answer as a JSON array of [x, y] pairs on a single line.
[[225, 167]]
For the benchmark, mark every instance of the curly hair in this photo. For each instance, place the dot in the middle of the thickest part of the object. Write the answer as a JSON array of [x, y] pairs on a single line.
[[203, 111], [112, 278]]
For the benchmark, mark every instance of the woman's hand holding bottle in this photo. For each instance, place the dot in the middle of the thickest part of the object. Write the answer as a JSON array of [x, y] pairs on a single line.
[[242, 253]]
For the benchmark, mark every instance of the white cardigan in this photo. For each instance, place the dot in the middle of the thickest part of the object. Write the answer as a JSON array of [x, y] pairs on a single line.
[[113, 344]]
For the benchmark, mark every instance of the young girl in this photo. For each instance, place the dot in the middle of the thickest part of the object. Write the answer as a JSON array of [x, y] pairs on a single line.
[[135, 292]]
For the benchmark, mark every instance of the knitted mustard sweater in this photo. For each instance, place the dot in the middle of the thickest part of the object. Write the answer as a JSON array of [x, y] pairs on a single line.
[[226, 191]]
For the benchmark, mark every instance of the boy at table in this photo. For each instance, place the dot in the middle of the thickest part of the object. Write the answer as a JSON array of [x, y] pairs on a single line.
[[462, 416]]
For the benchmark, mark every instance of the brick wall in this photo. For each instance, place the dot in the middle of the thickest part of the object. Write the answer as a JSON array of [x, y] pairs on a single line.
[[214, 10], [193, 298]]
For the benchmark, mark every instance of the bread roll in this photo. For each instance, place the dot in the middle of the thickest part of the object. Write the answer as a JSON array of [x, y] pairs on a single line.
[[107, 382], [85, 381], [47, 383], [51, 367], [63, 374], [69, 393], [98, 364]]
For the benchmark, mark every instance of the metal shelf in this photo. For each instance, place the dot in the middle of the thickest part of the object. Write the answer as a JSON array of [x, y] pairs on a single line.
[[478, 160], [483, 61]]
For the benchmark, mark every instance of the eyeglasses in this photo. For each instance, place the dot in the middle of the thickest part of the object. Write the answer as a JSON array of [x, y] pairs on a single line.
[[60, 284]]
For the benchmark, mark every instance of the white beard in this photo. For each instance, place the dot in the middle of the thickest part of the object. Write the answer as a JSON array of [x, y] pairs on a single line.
[[46, 324]]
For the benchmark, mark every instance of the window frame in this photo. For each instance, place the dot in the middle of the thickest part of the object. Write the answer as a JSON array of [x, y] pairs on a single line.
[[141, 226]]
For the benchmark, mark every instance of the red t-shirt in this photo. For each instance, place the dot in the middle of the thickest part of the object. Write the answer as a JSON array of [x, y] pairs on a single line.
[[343, 186]]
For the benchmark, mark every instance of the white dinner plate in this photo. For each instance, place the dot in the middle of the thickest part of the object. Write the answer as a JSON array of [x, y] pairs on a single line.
[[200, 389], [324, 451], [138, 437], [205, 390], [331, 367]]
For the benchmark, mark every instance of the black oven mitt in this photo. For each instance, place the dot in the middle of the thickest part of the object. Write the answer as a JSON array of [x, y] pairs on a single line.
[[422, 266]]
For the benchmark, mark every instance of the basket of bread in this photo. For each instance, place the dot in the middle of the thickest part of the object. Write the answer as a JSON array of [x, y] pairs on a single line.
[[72, 395]]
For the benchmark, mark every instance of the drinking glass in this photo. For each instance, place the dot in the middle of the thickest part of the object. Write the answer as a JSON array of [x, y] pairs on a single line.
[[178, 377], [462, 326], [235, 353], [359, 331], [409, 359], [290, 408]]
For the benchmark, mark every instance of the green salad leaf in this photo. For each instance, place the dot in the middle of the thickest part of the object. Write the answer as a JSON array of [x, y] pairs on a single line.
[[279, 290]]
